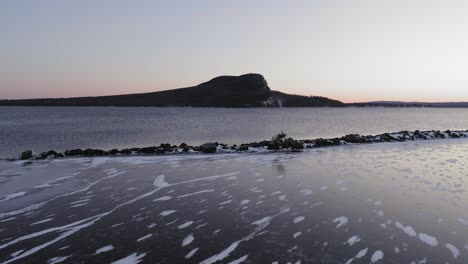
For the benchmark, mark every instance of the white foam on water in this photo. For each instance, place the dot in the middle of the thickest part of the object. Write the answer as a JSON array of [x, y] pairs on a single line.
[[378, 255], [282, 197], [343, 220], [184, 225], [430, 240], [163, 198], [298, 219], [239, 260], [306, 192], [144, 237], [295, 235], [260, 180], [191, 253], [353, 240], [187, 240], [131, 259], [104, 249], [454, 250], [168, 212]]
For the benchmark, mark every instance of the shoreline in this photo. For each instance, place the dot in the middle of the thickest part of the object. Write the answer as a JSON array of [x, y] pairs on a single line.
[[279, 142]]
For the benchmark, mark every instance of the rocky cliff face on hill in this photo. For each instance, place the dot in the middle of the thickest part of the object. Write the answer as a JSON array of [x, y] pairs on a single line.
[[248, 90]]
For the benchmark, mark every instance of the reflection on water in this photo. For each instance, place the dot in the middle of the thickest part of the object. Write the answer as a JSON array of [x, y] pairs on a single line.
[[380, 203]]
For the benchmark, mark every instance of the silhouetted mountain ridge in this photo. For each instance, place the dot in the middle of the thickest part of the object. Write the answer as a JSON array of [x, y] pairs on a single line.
[[248, 90]]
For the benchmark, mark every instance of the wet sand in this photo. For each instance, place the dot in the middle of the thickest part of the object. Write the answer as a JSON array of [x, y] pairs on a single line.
[[380, 203]]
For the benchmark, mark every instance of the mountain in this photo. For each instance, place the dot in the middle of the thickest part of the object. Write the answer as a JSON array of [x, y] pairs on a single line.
[[248, 90], [409, 104]]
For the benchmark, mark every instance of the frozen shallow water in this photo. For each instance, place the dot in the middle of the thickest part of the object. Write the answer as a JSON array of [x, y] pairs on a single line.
[[379, 203]]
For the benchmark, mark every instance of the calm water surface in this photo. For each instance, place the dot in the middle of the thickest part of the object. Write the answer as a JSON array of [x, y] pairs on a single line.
[[61, 128]]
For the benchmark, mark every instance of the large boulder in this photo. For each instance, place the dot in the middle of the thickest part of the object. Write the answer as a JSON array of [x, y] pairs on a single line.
[[209, 147], [27, 154]]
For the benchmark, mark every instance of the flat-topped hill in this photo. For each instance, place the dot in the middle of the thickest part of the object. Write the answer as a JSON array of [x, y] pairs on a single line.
[[248, 90]]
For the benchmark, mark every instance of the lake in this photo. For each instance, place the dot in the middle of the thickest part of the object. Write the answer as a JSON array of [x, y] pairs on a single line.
[[61, 128], [376, 203]]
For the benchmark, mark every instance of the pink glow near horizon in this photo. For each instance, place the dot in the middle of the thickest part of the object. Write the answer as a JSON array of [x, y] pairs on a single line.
[[352, 51]]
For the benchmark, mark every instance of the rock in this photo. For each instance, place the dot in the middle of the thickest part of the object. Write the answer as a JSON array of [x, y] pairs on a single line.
[[113, 151], [167, 147], [53, 153], [41, 156], [74, 152], [209, 147], [126, 151], [94, 152], [183, 145], [386, 137], [243, 148], [186, 149], [148, 150], [160, 150], [354, 138], [320, 142], [27, 154], [274, 144]]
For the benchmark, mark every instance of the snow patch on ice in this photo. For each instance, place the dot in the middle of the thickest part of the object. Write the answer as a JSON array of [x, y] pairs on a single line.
[[343, 220], [159, 182], [184, 225], [57, 259], [163, 198], [378, 255], [191, 253], [359, 255], [168, 212], [298, 219], [353, 240], [12, 196], [104, 249], [454, 250], [239, 260], [144, 237], [131, 259], [430, 240], [187, 240], [407, 229]]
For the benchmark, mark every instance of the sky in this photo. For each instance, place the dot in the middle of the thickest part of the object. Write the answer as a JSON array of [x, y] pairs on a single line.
[[353, 51]]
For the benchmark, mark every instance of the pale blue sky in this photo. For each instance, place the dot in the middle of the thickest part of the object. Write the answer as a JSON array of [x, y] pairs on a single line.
[[348, 50]]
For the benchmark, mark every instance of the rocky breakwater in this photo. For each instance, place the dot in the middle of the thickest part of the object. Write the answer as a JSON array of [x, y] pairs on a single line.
[[280, 142]]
